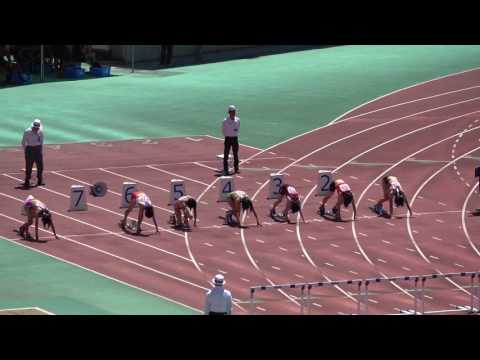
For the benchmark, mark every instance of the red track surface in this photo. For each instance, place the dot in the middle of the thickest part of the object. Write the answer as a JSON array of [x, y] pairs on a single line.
[[412, 133]]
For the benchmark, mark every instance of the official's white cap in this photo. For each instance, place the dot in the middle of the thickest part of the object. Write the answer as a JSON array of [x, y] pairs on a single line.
[[232, 108], [218, 280], [36, 123]]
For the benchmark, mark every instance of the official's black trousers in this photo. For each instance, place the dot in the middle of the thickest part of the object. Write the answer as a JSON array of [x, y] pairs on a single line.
[[230, 142], [33, 154]]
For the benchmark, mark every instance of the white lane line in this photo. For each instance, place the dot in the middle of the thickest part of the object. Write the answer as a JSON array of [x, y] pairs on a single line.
[[434, 257], [407, 102], [334, 245], [258, 182], [464, 225], [459, 265], [387, 242], [236, 233], [356, 252], [382, 261], [260, 308], [389, 223], [260, 241], [317, 305], [340, 227], [371, 200], [439, 221], [436, 238], [406, 268], [283, 249], [362, 234], [289, 230], [177, 175], [243, 279], [306, 180], [201, 264], [415, 231], [328, 264], [373, 301], [203, 202], [441, 203], [133, 179], [240, 177], [411, 250], [285, 173], [420, 197], [428, 297], [222, 271], [94, 271], [461, 246], [205, 166], [353, 177], [353, 272], [193, 139], [207, 244], [273, 153], [230, 252], [275, 267], [312, 237], [299, 276]]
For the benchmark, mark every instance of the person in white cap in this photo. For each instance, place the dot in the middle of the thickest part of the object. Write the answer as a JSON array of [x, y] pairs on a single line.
[[231, 130], [219, 300], [32, 143]]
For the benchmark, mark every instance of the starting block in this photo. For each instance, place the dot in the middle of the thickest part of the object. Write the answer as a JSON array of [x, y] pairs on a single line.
[[98, 189], [277, 217], [276, 181], [127, 189], [78, 198], [132, 225], [227, 185]]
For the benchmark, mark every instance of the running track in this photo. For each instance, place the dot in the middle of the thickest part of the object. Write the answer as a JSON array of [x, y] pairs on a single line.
[[428, 135]]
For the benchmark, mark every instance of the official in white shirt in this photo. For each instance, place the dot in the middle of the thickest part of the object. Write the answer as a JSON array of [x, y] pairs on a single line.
[[219, 300], [231, 130], [32, 143]]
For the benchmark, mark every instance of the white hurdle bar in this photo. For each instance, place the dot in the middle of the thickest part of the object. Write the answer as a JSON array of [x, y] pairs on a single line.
[[362, 297]]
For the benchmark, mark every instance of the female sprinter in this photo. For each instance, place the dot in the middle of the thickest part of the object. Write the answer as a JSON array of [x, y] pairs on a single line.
[[144, 205], [345, 196], [239, 201], [292, 204], [34, 209], [392, 190], [185, 205]]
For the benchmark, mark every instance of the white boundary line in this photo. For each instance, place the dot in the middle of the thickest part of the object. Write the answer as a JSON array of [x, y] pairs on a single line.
[[91, 270], [28, 308], [217, 138], [408, 102], [402, 89], [464, 225]]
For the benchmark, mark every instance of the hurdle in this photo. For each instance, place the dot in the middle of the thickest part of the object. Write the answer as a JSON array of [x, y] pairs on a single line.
[[364, 293]]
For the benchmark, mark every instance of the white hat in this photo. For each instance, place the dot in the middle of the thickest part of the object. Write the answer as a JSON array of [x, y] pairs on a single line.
[[37, 123], [218, 280], [232, 108]]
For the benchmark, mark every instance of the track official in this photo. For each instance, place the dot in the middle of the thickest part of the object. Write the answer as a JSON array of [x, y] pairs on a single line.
[[231, 130], [219, 300], [32, 143]]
